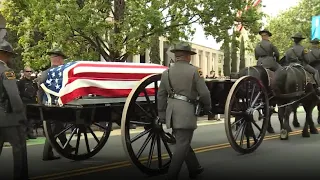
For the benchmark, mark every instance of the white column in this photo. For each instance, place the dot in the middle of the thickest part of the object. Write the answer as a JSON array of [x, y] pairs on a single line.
[[196, 62], [209, 62], [136, 58], [216, 62], [161, 50], [147, 55]]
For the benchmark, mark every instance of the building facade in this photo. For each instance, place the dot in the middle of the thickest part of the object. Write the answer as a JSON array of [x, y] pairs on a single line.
[[207, 59]]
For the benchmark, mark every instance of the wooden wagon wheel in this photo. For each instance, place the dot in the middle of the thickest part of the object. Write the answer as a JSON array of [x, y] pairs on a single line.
[[80, 132], [141, 109], [248, 105]]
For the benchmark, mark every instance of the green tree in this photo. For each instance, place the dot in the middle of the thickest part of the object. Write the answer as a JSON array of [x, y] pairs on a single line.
[[226, 57], [295, 19], [242, 54], [85, 29], [234, 57], [114, 29], [155, 50]]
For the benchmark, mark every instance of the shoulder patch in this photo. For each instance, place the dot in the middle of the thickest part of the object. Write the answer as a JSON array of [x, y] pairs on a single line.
[[200, 72], [306, 51], [10, 75]]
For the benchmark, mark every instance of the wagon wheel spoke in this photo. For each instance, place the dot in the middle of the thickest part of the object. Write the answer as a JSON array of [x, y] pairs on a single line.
[[140, 135], [102, 127], [70, 138], [256, 125], [86, 140], [166, 146], [150, 104], [144, 145], [153, 142], [243, 133], [143, 110], [236, 122], [239, 130], [94, 135], [159, 151], [247, 94], [78, 141], [140, 123], [63, 131], [255, 99]]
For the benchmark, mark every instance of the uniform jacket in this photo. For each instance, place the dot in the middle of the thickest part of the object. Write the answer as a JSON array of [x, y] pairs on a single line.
[[266, 49], [313, 54], [186, 80], [11, 106], [28, 90], [297, 54]]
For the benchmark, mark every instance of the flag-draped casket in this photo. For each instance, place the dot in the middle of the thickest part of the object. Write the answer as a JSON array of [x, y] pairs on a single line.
[[107, 79]]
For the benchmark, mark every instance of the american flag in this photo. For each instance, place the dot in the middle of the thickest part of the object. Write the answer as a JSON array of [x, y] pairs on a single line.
[[72, 80]]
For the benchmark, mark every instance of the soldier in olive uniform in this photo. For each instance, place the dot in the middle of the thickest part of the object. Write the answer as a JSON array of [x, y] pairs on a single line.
[[266, 53], [12, 115], [314, 53], [57, 58], [297, 54], [180, 86]]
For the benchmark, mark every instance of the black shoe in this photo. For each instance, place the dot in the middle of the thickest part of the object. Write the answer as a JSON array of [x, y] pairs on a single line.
[[193, 175], [51, 158], [31, 136]]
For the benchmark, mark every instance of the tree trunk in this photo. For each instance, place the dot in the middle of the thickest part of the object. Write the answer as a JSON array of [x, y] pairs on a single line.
[[226, 59], [242, 54], [119, 9]]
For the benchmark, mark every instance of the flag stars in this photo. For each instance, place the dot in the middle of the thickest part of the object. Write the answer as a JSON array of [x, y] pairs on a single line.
[[56, 80], [57, 86], [48, 81], [53, 74], [60, 74]]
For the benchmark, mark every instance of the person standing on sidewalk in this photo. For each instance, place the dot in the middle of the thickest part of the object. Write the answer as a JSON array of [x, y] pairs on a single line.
[[28, 92]]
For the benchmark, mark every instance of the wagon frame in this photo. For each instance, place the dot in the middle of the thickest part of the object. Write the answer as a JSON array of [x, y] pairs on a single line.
[[142, 111]]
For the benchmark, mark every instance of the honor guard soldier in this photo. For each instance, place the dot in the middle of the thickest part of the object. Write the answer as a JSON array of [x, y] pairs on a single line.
[[12, 115], [180, 86], [298, 54], [314, 53], [57, 58], [28, 89], [266, 53]]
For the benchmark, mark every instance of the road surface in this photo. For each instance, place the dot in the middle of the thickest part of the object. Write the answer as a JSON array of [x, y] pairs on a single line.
[[274, 158]]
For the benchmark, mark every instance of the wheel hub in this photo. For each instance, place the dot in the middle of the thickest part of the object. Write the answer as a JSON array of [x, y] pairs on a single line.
[[253, 114]]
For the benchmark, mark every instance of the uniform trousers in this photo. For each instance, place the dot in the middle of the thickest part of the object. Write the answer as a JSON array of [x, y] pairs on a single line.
[[16, 137], [182, 153], [56, 127], [268, 62]]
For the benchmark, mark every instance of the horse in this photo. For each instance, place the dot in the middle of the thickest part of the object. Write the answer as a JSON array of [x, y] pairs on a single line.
[[286, 87], [295, 122]]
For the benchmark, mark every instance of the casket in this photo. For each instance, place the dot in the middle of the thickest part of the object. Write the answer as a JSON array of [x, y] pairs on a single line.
[[77, 79]]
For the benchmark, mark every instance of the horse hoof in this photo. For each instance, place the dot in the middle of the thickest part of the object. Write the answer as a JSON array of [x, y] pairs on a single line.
[[314, 131], [296, 125], [305, 134], [284, 135]]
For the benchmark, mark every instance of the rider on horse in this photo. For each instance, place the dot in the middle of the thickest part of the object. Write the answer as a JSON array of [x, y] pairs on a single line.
[[298, 54], [314, 53], [266, 53]]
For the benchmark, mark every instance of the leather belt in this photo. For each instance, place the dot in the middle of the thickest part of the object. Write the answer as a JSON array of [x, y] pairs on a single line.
[[183, 98]]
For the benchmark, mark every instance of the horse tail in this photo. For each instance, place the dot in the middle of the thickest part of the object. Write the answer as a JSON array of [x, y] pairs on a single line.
[[289, 82]]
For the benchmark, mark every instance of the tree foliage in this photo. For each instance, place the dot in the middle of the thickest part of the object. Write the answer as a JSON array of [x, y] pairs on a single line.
[[242, 63], [234, 57], [155, 50], [226, 56], [86, 29], [295, 19]]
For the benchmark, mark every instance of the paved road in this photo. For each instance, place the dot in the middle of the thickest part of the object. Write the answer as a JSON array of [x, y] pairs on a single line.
[[296, 156]]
